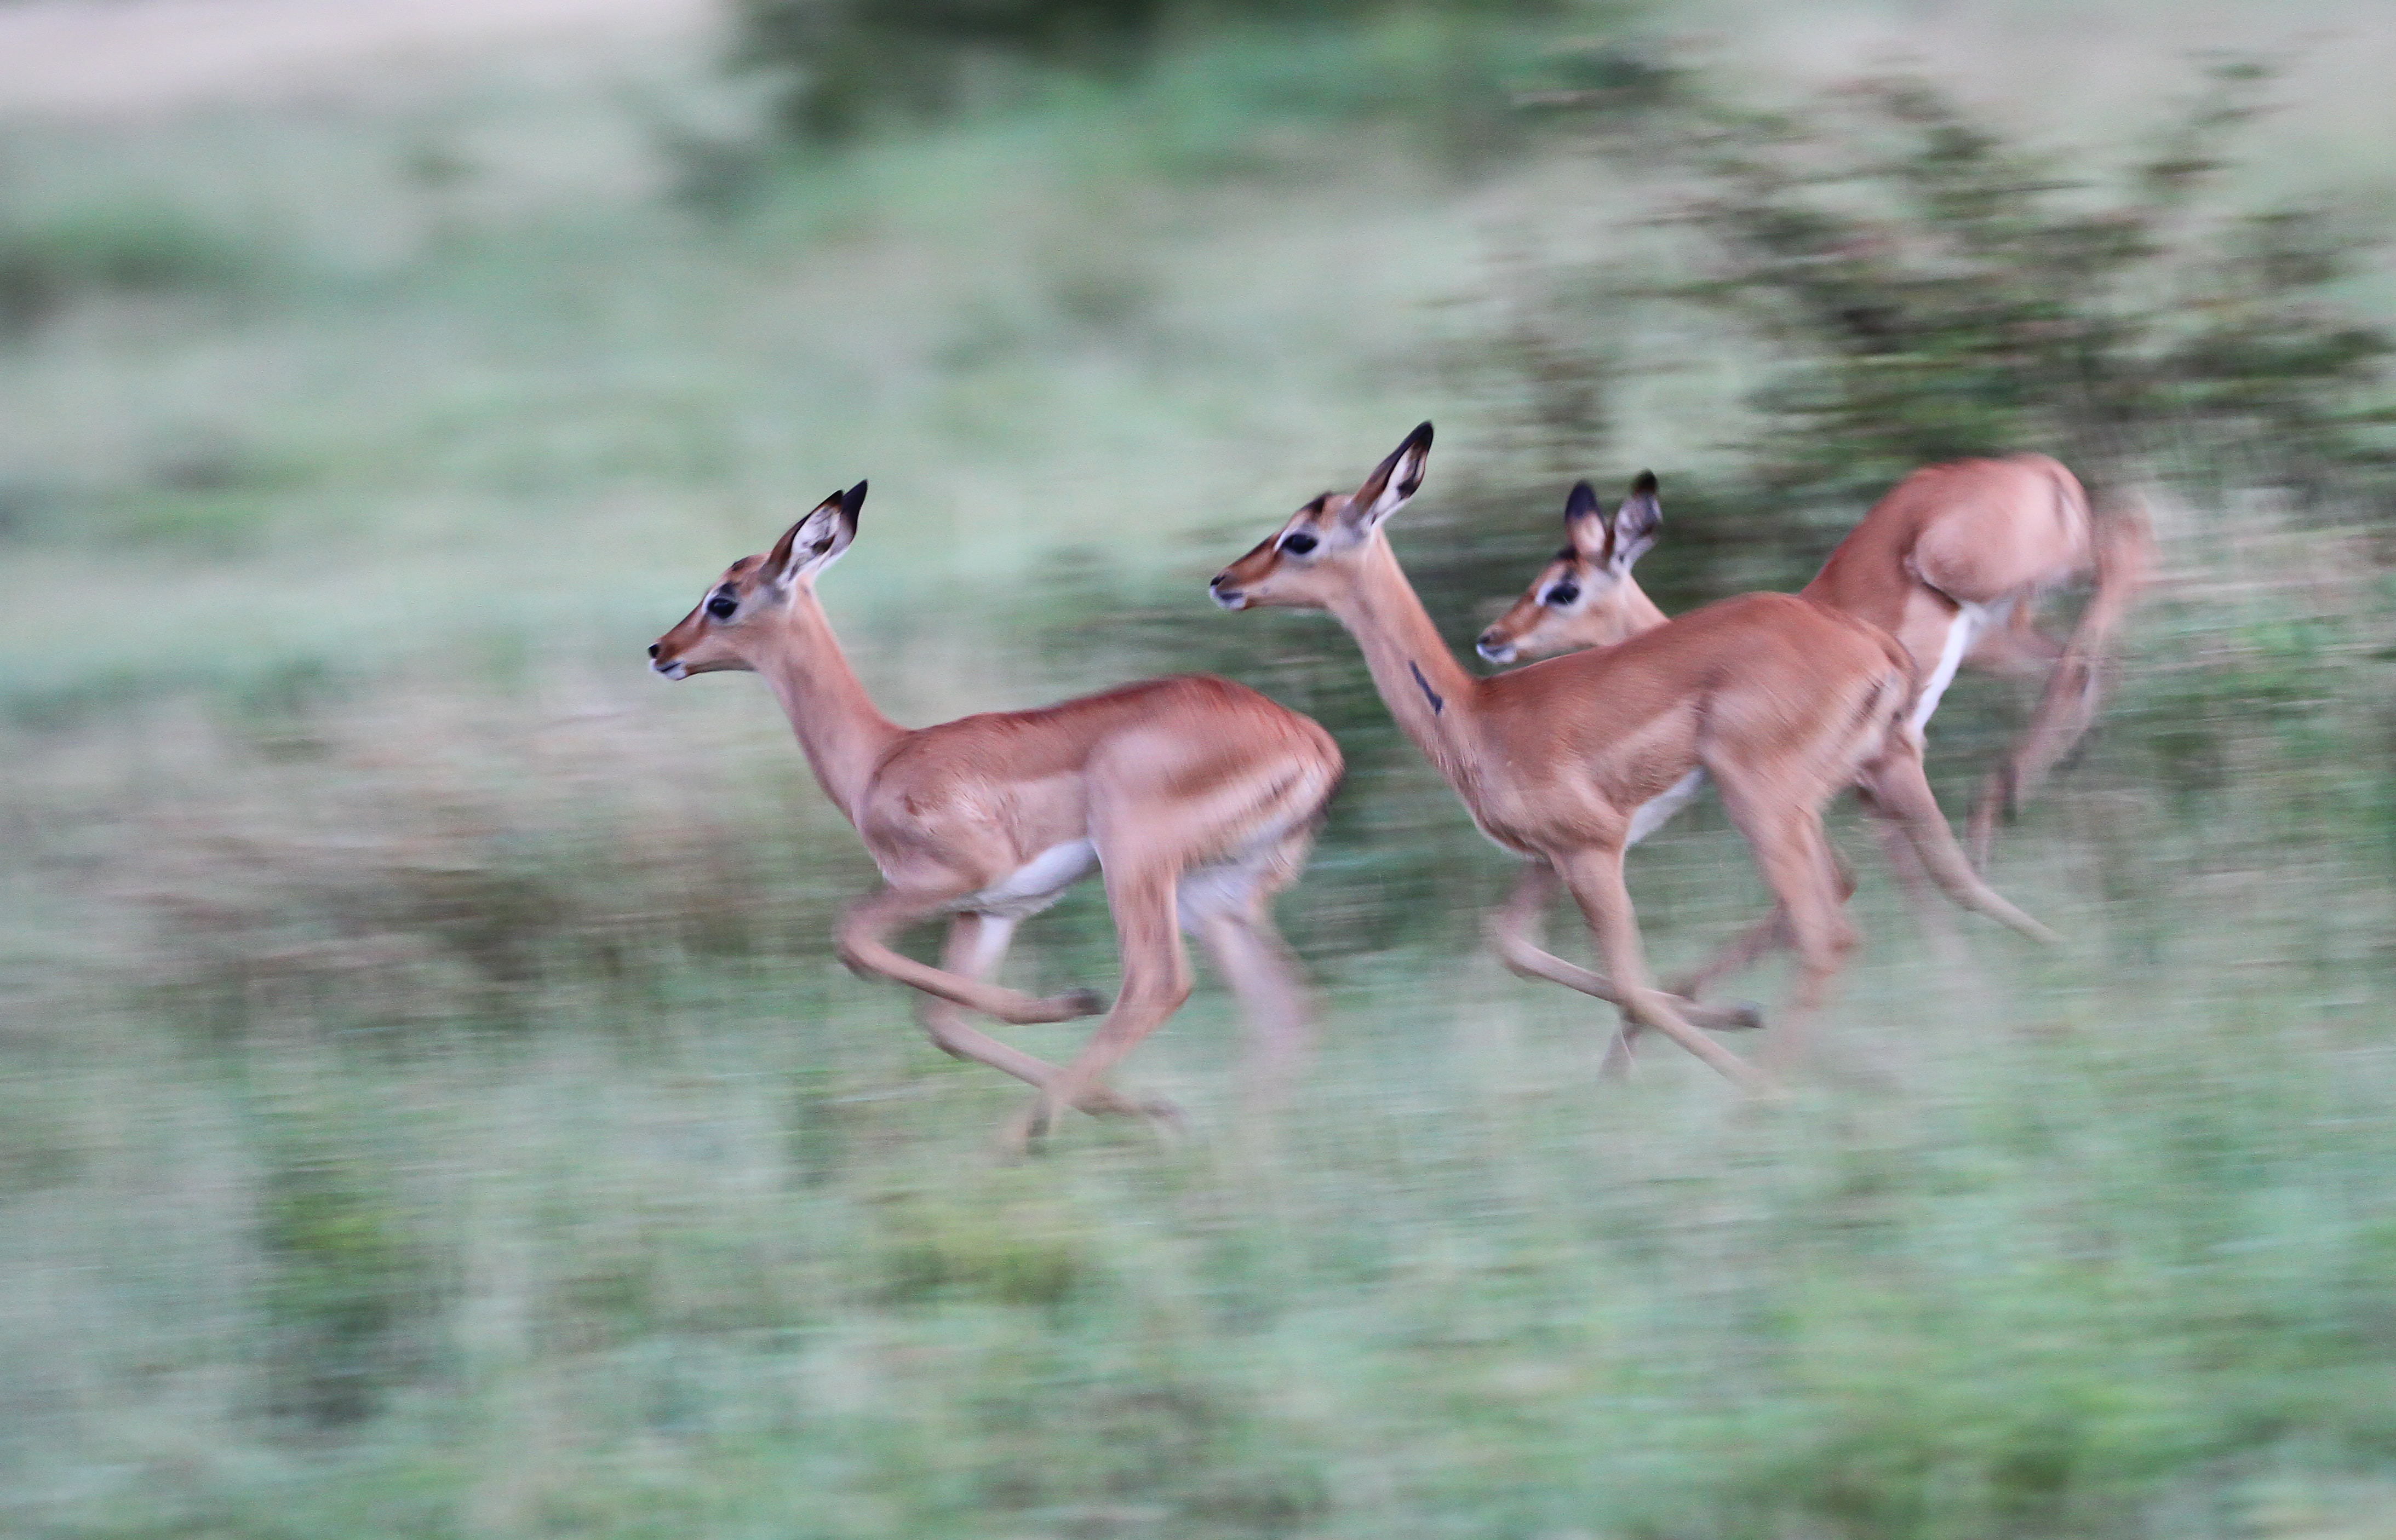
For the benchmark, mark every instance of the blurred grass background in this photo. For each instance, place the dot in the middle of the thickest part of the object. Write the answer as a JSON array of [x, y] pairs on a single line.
[[428, 1104]]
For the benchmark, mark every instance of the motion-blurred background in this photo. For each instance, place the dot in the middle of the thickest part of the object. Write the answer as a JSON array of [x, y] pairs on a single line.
[[427, 1102]]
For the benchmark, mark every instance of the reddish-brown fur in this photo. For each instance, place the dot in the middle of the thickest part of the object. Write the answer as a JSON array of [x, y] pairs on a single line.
[[1196, 796], [1999, 534], [1781, 700]]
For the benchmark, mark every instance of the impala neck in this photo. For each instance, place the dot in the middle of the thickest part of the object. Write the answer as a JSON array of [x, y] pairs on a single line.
[[836, 723], [1421, 680], [1636, 613]]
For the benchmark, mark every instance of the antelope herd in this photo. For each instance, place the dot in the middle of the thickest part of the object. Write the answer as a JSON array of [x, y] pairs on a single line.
[[1194, 799]]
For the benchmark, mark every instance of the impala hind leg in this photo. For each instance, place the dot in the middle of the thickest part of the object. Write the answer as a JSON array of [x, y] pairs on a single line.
[[976, 943], [1759, 941], [1155, 982], [1513, 930], [864, 943], [1914, 881], [1897, 782], [2067, 704], [1595, 878], [1224, 909]]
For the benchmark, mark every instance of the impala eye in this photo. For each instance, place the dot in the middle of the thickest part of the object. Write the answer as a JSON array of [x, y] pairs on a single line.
[[722, 606], [1562, 594], [1299, 543]]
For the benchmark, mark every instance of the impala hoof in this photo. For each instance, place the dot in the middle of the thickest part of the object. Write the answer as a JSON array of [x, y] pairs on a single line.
[[1020, 1138], [1080, 1002], [1745, 1016]]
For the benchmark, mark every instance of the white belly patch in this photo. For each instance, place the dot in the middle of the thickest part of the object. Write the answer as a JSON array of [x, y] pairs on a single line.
[[1970, 620], [1036, 884], [1658, 811]]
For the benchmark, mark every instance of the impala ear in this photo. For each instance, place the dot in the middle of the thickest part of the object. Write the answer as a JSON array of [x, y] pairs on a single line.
[[818, 540], [1585, 528], [1392, 482], [1636, 522]]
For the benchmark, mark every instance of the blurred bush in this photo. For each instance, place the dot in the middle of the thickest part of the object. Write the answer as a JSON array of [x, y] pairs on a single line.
[[48, 263], [849, 64], [1929, 286]]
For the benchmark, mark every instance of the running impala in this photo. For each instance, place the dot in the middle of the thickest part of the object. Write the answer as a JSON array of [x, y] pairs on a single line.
[[1782, 701], [1952, 563], [1195, 798]]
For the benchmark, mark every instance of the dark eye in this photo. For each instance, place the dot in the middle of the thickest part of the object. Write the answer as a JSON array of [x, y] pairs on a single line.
[[1563, 593], [1298, 544], [722, 606]]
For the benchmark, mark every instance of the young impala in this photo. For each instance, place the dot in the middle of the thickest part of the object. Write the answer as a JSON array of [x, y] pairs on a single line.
[[1781, 701], [1952, 562], [1195, 799]]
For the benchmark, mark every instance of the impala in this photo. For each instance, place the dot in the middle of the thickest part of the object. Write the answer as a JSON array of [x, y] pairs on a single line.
[[1781, 701], [1195, 798], [1952, 563]]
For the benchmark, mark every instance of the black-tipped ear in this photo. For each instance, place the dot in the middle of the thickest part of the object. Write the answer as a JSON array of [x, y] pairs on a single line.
[[1584, 527], [1636, 522], [1392, 482], [818, 540]]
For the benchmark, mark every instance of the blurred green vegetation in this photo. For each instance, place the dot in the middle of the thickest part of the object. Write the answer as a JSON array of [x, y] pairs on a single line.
[[1931, 284], [843, 66], [430, 1107]]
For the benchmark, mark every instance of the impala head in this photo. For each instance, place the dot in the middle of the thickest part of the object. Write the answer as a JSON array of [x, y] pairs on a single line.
[[1586, 597], [1310, 558], [714, 635]]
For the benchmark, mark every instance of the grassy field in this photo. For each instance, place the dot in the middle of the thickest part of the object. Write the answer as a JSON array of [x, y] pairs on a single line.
[[427, 1102]]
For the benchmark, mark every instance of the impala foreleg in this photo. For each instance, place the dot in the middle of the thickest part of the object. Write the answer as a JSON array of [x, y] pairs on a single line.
[[1596, 879], [864, 943], [1514, 929], [976, 943]]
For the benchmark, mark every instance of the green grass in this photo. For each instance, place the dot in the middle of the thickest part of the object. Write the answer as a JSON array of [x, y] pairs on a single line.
[[428, 1106]]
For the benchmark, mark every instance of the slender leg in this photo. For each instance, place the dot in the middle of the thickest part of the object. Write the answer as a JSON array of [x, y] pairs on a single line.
[[1155, 982], [1773, 931], [1913, 880], [864, 941], [976, 945], [1273, 997], [1765, 936], [1741, 951], [2124, 552], [1790, 848], [1595, 878], [1514, 929], [2017, 649]]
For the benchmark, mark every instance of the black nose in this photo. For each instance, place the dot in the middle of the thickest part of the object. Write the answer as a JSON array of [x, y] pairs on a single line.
[[653, 649], [1217, 581]]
